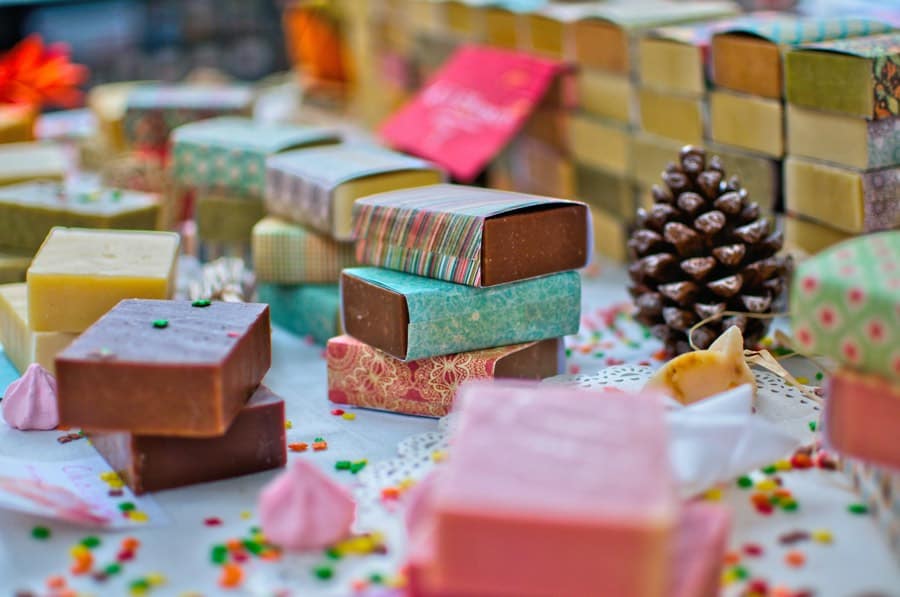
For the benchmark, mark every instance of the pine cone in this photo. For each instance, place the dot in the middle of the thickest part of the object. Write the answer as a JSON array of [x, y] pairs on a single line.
[[700, 250]]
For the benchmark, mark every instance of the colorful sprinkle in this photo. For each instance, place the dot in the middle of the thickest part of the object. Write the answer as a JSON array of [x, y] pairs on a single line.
[[323, 572], [342, 465], [288, 424], [858, 508], [745, 482], [795, 558], [232, 576], [219, 554], [320, 445], [41, 532], [812, 425], [201, 303], [337, 412], [753, 550], [126, 506], [348, 416], [298, 447], [161, 323], [822, 536], [91, 541]]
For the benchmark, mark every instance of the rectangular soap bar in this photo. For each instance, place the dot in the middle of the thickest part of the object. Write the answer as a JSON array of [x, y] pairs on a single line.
[[428, 386], [843, 140], [171, 368], [153, 110], [228, 154], [682, 119], [598, 525], [844, 304], [21, 162], [851, 200], [17, 123], [747, 121], [587, 133], [28, 211], [108, 102], [470, 235], [536, 168], [412, 317], [14, 264], [287, 253], [861, 416], [227, 218], [254, 442], [304, 309], [611, 233], [78, 274], [612, 193], [317, 186], [21, 344], [810, 236], [607, 95], [856, 77]]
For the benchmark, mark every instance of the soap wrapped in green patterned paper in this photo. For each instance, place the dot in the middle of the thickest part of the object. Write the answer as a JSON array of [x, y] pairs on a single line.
[[412, 317], [304, 309], [845, 304]]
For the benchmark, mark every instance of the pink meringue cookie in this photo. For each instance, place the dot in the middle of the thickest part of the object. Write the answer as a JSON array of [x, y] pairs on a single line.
[[30, 401], [303, 508]]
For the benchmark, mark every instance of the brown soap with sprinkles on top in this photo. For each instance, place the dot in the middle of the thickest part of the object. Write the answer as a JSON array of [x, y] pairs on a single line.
[[158, 367], [254, 442]]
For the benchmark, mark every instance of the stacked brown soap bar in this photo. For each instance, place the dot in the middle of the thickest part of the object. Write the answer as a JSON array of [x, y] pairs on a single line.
[[169, 391]]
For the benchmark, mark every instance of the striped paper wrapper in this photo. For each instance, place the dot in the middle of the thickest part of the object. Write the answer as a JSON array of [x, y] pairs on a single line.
[[286, 253]]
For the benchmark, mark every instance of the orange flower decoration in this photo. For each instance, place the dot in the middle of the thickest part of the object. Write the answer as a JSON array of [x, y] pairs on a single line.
[[34, 74]]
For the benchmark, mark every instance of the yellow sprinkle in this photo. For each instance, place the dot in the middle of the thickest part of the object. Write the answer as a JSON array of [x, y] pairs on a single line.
[[348, 416], [79, 551], [729, 577], [138, 516], [803, 380], [138, 590], [767, 341], [109, 476], [259, 538], [714, 494], [246, 514], [288, 424], [406, 483], [156, 579], [766, 485], [115, 484], [822, 536], [438, 455], [783, 465]]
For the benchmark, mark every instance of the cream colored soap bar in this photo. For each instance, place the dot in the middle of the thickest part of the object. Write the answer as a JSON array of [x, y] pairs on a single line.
[[606, 95], [673, 116], [21, 162], [810, 237], [600, 144], [78, 274], [22, 345], [747, 121]]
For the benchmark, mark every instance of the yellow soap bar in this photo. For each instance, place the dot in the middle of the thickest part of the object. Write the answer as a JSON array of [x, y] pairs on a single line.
[[809, 236], [20, 162], [682, 119], [79, 274], [16, 123], [22, 345], [599, 143], [607, 95], [13, 265], [747, 121]]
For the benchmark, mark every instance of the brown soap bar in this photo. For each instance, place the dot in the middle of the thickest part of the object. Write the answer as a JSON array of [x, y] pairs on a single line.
[[254, 442], [157, 367]]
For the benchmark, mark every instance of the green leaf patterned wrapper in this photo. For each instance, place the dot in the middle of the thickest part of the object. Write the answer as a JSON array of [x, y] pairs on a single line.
[[845, 304], [306, 310], [287, 253]]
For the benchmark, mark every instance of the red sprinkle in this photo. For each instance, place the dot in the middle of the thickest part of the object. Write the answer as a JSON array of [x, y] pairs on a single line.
[[337, 412], [765, 509], [234, 334], [212, 521], [753, 549], [126, 555], [758, 586]]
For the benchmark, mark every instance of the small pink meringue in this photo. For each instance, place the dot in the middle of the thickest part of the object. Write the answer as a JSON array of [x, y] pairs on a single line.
[[303, 508], [30, 402]]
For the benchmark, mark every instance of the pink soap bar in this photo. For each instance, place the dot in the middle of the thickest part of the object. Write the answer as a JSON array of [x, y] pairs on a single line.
[[554, 491], [862, 416]]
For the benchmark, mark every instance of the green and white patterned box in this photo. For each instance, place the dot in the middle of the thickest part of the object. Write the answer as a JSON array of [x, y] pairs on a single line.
[[288, 253], [228, 154], [306, 310], [845, 304]]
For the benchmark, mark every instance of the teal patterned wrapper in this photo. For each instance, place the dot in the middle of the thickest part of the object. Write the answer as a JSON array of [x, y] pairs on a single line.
[[228, 154], [287, 253], [446, 318], [306, 310], [845, 304]]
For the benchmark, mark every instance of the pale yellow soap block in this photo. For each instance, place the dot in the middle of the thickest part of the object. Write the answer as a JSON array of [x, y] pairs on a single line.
[[21, 162], [810, 237], [600, 144], [700, 374], [606, 95], [22, 345], [747, 121], [682, 119], [79, 274]]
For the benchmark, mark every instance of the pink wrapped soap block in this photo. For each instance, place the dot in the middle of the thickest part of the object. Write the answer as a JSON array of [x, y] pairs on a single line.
[[551, 491], [862, 417]]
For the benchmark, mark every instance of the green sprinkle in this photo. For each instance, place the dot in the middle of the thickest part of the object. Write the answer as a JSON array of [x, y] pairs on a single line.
[[819, 376], [219, 554], [161, 323], [333, 554], [858, 509], [116, 194], [745, 482], [740, 572], [40, 532], [318, 439], [647, 333], [255, 530], [201, 303], [323, 572], [357, 466], [253, 547], [774, 500], [568, 352], [342, 465], [141, 584], [113, 569], [91, 541], [376, 579], [790, 506], [769, 470], [599, 355], [812, 425], [126, 506]]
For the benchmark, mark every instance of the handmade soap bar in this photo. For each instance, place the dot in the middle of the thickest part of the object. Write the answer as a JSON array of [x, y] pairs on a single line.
[[856, 77], [286, 253], [843, 140], [28, 211], [470, 235], [255, 441], [809, 236], [225, 218], [411, 317], [748, 56], [498, 504], [78, 275], [16, 123], [14, 264], [165, 367], [228, 154], [108, 102], [428, 386], [586, 134], [501, 27], [304, 309], [21, 162], [861, 416], [844, 304], [152, 111], [682, 119], [849, 200], [536, 168], [747, 121], [614, 194], [607, 95], [317, 186], [611, 233], [21, 344]]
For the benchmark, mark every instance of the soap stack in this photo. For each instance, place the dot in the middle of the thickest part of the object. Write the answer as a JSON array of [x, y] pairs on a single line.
[[300, 248], [845, 304], [465, 283], [842, 177], [221, 163]]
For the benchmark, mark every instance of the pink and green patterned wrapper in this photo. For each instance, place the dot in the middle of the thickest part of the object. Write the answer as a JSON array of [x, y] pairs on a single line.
[[434, 231], [287, 253], [845, 304]]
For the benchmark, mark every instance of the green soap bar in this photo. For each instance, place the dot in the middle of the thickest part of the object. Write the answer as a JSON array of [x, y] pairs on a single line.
[[305, 309], [29, 210], [223, 218]]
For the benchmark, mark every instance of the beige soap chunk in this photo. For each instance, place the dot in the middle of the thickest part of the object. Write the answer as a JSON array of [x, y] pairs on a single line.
[[78, 274], [21, 162], [696, 375], [21, 344]]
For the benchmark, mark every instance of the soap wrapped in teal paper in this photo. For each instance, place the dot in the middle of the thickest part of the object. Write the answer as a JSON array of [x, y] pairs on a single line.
[[304, 309]]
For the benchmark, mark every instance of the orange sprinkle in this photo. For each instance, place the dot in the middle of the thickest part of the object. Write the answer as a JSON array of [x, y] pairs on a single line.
[[759, 498], [270, 555], [130, 544], [67, 593], [660, 355], [232, 576], [298, 447], [234, 544], [359, 585], [783, 493], [319, 446], [390, 493], [56, 582], [79, 568], [780, 591], [732, 558], [795, 558]]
